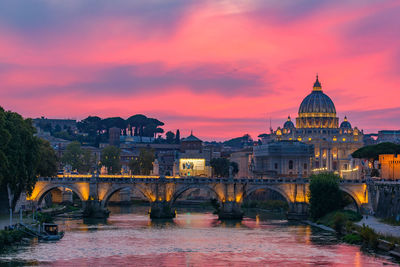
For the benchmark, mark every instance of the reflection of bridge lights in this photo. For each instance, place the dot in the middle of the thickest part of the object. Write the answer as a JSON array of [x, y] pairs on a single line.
[[352, 170], [319, 169]]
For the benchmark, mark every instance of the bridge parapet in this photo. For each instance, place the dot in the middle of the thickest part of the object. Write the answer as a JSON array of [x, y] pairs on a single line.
[[164, 190]]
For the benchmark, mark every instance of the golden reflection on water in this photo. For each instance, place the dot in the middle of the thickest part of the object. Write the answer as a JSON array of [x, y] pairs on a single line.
[[129, 238]]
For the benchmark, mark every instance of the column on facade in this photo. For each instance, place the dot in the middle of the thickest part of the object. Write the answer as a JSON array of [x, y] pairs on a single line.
[[328, 157], [321, 165]]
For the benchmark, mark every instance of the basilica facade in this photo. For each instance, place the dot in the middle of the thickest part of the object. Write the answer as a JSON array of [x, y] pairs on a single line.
[[317, 124]]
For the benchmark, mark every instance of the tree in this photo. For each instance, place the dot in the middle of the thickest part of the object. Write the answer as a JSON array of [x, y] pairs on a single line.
[[144, 163], [178, 137], [73, 156], [20, 152], [170, 137], [324, 194], [110, 158], [137, 122], [372, 152], [235, 168], [221, 167], [88, 161], [47, 164]]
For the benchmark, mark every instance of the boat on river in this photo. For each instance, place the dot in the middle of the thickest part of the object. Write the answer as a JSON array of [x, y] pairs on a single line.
[[45, 232], [50, 232]]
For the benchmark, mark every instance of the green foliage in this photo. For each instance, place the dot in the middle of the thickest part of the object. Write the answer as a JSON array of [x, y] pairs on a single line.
[[87, 161], [178, 137], [372, 152], [369, 237], [8, 237], [72, 155], [19, 155], [110, 158], [239, 142], [221, 167], [47, 164], [324, 194], [143, 165], [342, 216], [339, 222], [44, 217], [78, 158], [352, 239], [170, 137]]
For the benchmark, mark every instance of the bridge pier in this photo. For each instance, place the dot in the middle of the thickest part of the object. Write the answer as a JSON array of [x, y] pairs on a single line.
[[298, 211], [230, 210], [67, 196], [93, 209], [161, 210]]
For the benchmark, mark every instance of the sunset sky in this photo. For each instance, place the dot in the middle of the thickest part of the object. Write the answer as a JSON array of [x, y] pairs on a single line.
[[220, 68]]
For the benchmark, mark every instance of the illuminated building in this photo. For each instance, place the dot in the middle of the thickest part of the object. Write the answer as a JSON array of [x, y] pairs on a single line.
[[244, 160], [282, 159], [317, 124], [193, 159], [390, 166]]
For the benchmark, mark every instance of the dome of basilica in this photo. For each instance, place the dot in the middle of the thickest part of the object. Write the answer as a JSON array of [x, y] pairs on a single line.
[[288, 124], [345, 124], [317, 102], [317, 110]]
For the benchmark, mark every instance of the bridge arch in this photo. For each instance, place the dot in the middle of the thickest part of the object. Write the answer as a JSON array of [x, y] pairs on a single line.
[[115, 189], [353, 196], [183, 189], [272, 188], [45, 190]]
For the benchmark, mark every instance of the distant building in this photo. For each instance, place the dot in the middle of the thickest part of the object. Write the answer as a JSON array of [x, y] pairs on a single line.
[[283, 159], [193, 161], [390, 166], [392, 136], [244, 160], [318, 125], [114, 134]]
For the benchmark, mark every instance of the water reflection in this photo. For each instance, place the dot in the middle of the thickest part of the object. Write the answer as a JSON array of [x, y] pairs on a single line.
[[194, 238]]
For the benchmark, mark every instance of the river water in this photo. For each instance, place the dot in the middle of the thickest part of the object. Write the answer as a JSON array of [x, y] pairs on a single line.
[[194, 238]]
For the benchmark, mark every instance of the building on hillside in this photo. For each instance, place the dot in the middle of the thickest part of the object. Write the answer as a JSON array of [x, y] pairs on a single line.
[[390, 166], [392, 136], [193, 159], [165, 162], [114, 134], [318, 125], [244, 159], [282, 159]]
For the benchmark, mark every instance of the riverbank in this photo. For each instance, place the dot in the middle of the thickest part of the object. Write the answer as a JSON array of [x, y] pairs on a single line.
[[11, 237], [369, 233], [380, 227]]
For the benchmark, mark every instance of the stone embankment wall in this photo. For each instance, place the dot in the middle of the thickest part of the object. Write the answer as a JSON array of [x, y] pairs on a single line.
[[384, 198]]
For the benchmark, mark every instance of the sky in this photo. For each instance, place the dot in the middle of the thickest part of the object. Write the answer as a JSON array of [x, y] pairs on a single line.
[[219, 68]]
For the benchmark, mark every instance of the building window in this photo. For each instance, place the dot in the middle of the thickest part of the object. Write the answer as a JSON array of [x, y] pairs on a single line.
[[305, 166], [334, 165], [345, 166], [276, 166], [290, 164]]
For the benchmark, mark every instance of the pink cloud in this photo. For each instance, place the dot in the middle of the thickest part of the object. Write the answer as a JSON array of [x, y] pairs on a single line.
[[206, 67]]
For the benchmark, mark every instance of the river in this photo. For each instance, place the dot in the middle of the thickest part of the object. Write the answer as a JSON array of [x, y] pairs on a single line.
[[194, 238]]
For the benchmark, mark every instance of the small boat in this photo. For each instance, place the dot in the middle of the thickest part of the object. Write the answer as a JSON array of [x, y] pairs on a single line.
[[50, 232]]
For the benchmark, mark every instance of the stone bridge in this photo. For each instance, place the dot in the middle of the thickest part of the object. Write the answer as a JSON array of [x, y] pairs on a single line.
[[162, 192]]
